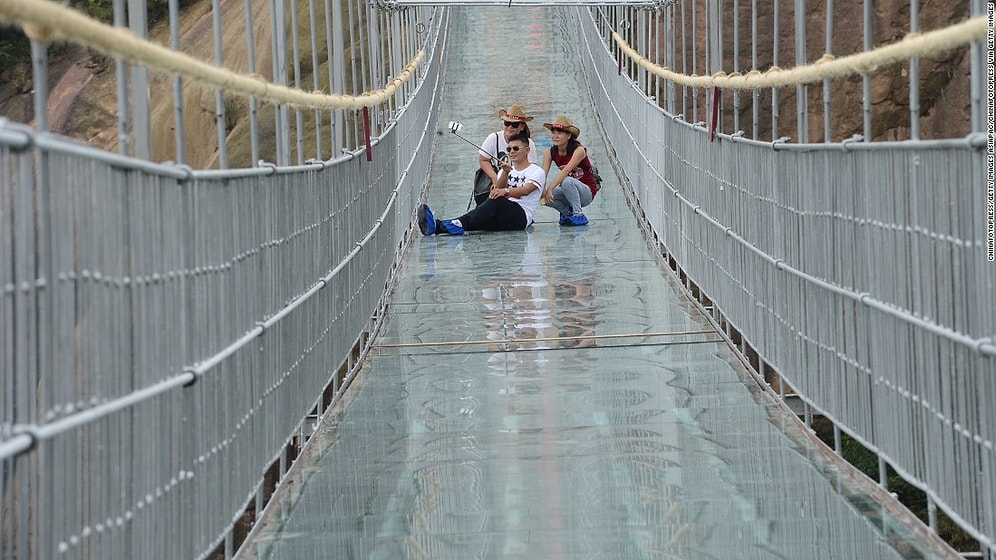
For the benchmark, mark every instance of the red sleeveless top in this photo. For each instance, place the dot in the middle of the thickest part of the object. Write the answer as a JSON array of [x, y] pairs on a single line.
[[583, 170]]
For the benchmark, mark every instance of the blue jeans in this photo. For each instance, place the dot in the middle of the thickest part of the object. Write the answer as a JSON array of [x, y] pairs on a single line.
[[570, 196]]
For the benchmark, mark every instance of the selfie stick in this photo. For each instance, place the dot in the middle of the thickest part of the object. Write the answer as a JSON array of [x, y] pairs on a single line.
[[456, 127]]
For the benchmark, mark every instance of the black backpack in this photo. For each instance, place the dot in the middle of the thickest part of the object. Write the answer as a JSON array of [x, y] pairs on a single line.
[[482, 183], [593, 169], [595, 174]]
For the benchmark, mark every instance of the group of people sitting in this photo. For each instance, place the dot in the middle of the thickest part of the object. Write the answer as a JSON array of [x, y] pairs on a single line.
[[519, 183]]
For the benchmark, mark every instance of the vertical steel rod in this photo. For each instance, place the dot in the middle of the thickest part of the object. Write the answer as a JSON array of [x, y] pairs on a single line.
[[801, 91], [756, 94], [315, 74], [220, 118], [141, 132], [178, 124], [296, 53], [121, 70], [736, 63], [253, 104], [866, 80], [775, 92], [695, 63], [914, 78], [828, 48]]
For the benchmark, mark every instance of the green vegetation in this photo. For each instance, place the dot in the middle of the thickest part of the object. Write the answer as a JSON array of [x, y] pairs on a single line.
[[103, 10], [14, 47], [910, 496]]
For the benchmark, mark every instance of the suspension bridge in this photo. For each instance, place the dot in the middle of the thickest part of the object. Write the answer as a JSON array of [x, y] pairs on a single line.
[[231, 341]]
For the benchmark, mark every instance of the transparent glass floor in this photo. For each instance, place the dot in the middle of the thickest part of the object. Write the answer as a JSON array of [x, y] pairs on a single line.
[[548, 394]]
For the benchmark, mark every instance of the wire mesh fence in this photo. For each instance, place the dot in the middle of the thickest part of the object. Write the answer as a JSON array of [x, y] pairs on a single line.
[[854, 269], [168, 334]]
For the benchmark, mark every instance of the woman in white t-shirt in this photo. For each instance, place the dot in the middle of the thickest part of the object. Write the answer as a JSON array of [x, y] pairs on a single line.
[[511, 204]]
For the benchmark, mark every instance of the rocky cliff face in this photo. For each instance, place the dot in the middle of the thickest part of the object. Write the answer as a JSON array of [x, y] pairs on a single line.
[[83, 100], [943, 84], [83, 89]]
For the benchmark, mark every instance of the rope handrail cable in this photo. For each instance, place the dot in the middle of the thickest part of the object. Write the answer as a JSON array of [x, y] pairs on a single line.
[[865, 63], [47, 21]]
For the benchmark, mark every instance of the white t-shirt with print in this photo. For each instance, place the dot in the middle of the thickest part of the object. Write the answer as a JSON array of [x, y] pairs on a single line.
[[490, 149], [532, 174]]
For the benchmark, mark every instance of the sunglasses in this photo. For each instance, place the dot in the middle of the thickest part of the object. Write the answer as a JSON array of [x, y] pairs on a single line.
[[514, 148], [512, 124]]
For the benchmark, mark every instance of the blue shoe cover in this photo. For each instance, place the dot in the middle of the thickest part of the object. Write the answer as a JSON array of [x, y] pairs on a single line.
[[452, 228], [426, 221], [579, 219], [564, 220]]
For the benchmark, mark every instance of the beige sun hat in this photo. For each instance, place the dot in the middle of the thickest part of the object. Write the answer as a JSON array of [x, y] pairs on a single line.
[[565, 124], [515, 113]]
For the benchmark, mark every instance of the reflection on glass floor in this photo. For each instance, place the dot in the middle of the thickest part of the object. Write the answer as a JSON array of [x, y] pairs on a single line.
[[543, 395], [548, 394], [531, 402]]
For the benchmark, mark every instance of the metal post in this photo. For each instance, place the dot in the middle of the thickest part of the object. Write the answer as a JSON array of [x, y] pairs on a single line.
[[828, 48], [801, 91], [775, 93], [398, 61], [695, 65], [314, 79], [140, 104], [914, 79], [714, 61], [654, 29], [46, 267], [684, 62], [736, 63], [641, 77], [298, 115], [717, 55], [866, 80], [253, 106], [333, 37], [39, 70], [281, 113], [354, 84], [220, 120], [376, 77], [671, 90], [121, 70], [178, 124], [755, 95]]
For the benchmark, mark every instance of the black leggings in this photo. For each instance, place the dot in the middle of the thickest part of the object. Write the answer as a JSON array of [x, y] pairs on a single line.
[[495, 214]]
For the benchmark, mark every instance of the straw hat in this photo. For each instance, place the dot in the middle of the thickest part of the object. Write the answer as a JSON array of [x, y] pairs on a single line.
[[565, 124], [515, 113]]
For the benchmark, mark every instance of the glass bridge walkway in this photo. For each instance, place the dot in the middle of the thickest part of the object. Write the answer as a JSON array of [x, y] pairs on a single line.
[[551, 393]]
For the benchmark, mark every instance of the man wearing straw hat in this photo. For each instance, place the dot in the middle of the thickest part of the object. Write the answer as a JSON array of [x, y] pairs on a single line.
[[575, 185], [511, 203]]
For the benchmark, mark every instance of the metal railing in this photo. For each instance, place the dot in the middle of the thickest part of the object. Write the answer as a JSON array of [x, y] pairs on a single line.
[[168, 335], [853, 273]]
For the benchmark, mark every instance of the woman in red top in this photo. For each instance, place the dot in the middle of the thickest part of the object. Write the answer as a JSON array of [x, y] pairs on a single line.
[[574, 187]]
